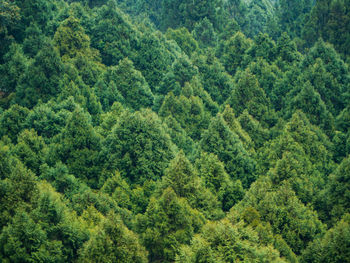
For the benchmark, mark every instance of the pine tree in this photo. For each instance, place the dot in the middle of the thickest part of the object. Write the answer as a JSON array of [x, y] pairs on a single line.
[[48, 69], [113, 242], [221, 141], [234, 51], [138, 146], [183, 178], [132, 86], [168, 223]]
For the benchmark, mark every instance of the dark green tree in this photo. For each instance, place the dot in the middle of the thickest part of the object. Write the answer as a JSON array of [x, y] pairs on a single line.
[[205, 34], [224, 143], [112, 34], [12, 121], [334, 246], [132, 86], [138, 146], [79, 147], [234, 51], [308, 100], [296, 223], [214, 78], [48, 69], [184, 39], [183, 178], [15, 64], [168, 223], [213, 173], [113, 242], [250, 96]]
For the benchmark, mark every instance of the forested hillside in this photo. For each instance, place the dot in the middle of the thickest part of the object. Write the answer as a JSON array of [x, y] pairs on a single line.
[[188, 131]]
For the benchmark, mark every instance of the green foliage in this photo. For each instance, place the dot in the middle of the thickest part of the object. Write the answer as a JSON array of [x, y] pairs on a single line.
[[204, 33], [234, 51], [291, 15], [184, 39], [168, 223], [138, 146], [112, 241], [226, 242], [224, 143], [12, 121], [34, 40], [9, 16], [30, 149], [333, 246], [187, 13], [297, 224], [132, 85], [309, 101], [174, 131], [179, 136], [183, 178], [329, 20], [213, 173], [338, 190], [71, 40], [79, 147], [15, 65], [248, 95], [213, 76], [235, 126], [112, 34], [188, 111], [153, 59], [18, 186], [48, 69]]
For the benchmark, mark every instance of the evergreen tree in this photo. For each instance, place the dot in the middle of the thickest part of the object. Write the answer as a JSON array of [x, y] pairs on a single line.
[[297, 224], [213, 173], [12, 121], [112, 34], [79, 146], [204, 33], [234, 51], [48, 69], [184, 39], [138, 146], [70, 39], [188, 111], [113, 242], [183, 178], [168, 223], [132, 85], [249, 95], [224, 143], [224, 241], [14, 67], [338, 190], [309, 101], [213, 76], [332, 247]]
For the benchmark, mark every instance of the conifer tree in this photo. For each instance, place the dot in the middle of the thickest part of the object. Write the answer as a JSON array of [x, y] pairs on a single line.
[[309, 101], [79, 146], [234, 51], [132, 86], [48, 69], [168, 223], [183, 178], [224, 143], [138, 146], [113, 242]]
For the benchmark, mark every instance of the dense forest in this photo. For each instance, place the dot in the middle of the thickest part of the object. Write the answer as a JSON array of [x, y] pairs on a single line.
[[188, 131]]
